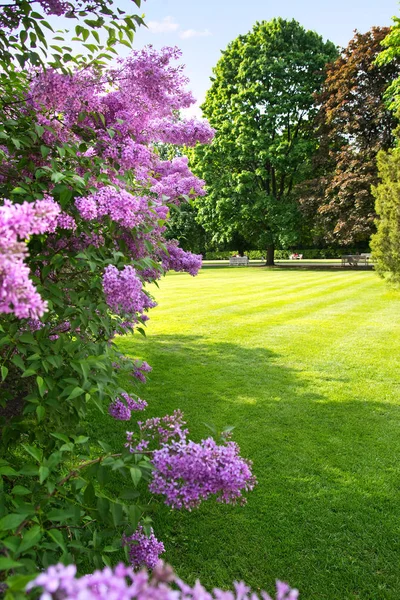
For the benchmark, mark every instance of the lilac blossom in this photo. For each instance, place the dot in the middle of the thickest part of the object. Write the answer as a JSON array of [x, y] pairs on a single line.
[[187, 133], [186, 473], [121, 408], [120, 206], [119, 411], [17, 222], [123, 290], [123, 583], [179, 260], [55, 7], [164, 429], [140, 368], [143, 550]]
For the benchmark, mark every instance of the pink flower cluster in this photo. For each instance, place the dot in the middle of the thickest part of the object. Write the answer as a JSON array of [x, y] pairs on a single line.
[[173, 179], [179, 260], [123, 583], [143, 550], [140, 368], [187, 473], [164, 429], [122, 411], [123, 291], [55, 7], [187, 133], [17, 222], [120, 206]]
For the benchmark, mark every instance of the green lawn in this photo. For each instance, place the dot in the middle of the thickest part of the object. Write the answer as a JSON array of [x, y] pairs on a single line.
[[305, 365]]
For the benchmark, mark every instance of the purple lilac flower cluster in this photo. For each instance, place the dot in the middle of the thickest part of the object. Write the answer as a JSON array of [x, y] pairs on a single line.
[[123, 583], [123, 291], [164, 429], [174, 179], [179, 260], [143, 550], [123, 208], [187, 473], [121, 411], [140, 368], [17, 222], [188, 132], [55, 7]]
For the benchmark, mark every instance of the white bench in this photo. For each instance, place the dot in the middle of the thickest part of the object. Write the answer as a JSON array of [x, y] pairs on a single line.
[[238, 261], [295, 257], [356, 259]]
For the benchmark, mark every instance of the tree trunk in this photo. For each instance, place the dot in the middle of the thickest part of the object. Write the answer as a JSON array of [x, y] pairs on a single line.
[[270, 256]]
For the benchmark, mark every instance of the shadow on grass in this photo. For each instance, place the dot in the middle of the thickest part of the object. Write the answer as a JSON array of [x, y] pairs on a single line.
[[325, 515]]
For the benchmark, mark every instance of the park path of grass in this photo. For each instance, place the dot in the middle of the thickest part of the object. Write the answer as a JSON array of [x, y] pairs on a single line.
[[305, 365]]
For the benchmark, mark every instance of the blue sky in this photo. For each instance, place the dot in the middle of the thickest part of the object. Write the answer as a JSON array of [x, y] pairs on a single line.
[[201, 28]]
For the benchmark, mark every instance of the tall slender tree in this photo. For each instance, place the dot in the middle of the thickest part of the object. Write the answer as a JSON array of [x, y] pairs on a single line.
[[261, 104]]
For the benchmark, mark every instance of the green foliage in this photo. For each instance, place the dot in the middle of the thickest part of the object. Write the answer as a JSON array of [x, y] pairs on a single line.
[[354, 125], [385, 243], [262, 107], [391, 53], [24, 36], [184, 228], [56, 503]]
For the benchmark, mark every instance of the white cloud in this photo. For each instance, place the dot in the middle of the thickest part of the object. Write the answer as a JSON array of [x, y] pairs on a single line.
[[164, 26], [191, 33]]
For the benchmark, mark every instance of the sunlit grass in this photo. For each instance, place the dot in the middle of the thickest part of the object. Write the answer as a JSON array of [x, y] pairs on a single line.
[[305, 365]]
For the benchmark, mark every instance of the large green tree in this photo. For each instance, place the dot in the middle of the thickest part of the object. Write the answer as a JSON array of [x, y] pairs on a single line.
[[354, 125], [261, 105]]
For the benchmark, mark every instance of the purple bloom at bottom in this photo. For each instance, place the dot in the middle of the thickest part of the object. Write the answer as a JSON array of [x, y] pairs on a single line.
[[143, 550], [124, 583]]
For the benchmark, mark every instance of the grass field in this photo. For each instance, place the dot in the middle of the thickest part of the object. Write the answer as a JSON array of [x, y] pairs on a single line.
[[305, 365]]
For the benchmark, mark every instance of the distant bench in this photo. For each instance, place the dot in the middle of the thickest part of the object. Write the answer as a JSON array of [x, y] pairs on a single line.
[[239, 261], [356, 259]]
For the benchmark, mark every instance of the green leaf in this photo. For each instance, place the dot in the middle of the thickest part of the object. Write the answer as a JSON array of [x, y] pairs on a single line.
[[30, 538], [18, 362], [81, 439], [61, 436], [7, 471], [117, 513], [33, 451], [4, 372], [136, 475], [41, 385], [27, 338], [40, 412], [20, 490], [57, 537], [45, 150], [44, 472], [18, 583], [39, 129], [77, 391], [8, 563], [11, 521]]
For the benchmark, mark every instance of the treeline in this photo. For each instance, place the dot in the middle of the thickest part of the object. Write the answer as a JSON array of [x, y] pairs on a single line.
[[299, 126]]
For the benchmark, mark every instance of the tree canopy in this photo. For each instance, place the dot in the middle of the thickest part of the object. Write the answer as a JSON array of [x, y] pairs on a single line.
[[261, 104], [354, 125]]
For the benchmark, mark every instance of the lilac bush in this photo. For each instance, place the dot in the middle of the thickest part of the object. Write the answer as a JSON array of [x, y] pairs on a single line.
[[85, 196]]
